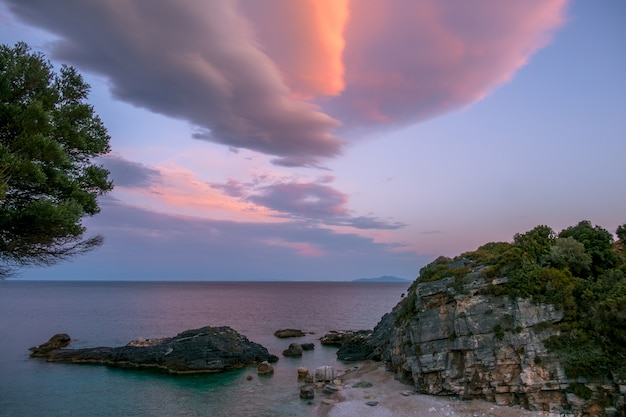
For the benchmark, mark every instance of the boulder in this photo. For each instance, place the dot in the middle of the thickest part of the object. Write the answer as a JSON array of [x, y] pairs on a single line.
[[307, 346], [208, 349], [58, 341], [325, 373], [303, 372], [294, 349], [265, 368], [284, 333], [307, 392]]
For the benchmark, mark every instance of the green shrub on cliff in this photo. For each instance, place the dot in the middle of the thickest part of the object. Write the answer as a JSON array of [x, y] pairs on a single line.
[[581, 271]]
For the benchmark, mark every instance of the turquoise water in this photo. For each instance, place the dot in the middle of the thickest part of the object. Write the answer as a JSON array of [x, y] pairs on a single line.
[[113, 313]]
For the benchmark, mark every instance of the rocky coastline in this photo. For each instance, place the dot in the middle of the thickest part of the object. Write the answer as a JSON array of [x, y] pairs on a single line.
[[204, 350], [468, 342]]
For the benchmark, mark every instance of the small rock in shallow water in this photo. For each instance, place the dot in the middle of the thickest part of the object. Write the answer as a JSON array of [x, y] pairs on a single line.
[[265, 368], [294, 349], [329, 389], [325, 373], [372, 403], [307, 392]]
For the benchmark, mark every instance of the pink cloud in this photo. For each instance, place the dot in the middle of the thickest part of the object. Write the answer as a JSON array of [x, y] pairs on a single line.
[[301, 248], [281, 77], [306, 40], [409, 60]]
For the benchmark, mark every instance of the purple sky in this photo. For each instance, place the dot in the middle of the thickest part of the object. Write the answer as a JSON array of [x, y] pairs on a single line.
[[337, 139]]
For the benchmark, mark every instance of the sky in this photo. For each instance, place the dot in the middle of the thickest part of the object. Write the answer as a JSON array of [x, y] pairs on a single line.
[[337, 139]]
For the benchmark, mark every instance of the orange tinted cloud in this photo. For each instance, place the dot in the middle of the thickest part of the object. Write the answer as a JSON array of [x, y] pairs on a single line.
[[408, 60], [180, 192], [305, 38], [301, 248]]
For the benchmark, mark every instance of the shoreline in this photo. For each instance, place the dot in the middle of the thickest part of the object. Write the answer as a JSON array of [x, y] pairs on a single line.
[[395, 399]]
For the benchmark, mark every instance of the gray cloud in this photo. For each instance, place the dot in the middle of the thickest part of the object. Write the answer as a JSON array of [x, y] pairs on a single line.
[[232, 188], [312, 202], [196, 61], [129, 174]]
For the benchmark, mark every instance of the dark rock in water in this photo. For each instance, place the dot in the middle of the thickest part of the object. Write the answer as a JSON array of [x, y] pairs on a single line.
[[356, 347], [338, 337], [372, 403], [307, 346], [208, 349], [284, 333], [294, 349], [56, 342], [307, 392]]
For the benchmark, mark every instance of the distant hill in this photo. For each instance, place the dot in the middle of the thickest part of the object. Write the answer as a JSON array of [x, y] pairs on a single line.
[[384, 278]]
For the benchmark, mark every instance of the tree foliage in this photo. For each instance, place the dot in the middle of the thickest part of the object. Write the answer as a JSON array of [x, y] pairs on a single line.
[[49, 135]]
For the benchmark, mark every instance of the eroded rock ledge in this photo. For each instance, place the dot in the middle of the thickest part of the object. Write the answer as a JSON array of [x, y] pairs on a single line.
[[204, 350]]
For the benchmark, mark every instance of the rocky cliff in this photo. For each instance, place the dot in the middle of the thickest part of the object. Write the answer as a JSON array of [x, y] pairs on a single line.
[[456, 337]]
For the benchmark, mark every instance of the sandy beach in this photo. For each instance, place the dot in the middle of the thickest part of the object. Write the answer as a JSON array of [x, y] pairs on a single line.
[[395, 399]]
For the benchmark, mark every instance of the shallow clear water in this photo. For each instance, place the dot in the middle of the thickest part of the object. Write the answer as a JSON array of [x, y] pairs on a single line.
[[113, 313]]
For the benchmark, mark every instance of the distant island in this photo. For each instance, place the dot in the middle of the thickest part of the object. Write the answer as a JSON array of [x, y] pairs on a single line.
[[384, 278]]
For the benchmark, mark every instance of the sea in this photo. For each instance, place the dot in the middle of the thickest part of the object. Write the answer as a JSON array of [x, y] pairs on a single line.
[[112, 313]]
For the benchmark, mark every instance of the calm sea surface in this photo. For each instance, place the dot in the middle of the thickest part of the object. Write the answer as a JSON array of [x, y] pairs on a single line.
[[113, 313]]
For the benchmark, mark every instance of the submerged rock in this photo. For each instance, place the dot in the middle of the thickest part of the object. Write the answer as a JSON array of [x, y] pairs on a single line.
[[284, 333], [208, 349]]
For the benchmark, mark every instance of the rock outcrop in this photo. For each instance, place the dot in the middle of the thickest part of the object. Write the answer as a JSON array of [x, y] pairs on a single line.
[[451, 337], [284, 333], [56, 342], [339, 337], [208, 349], [294, 349], [265, 368]]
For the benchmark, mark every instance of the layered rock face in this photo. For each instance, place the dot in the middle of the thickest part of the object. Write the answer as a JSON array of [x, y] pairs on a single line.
[[451, 337], [208, 349]]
